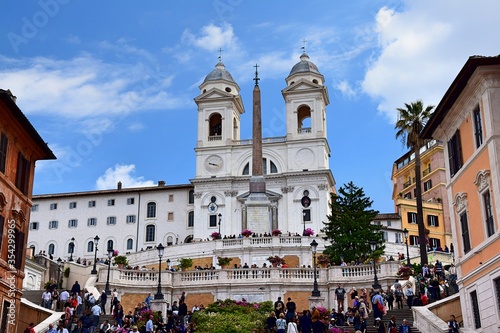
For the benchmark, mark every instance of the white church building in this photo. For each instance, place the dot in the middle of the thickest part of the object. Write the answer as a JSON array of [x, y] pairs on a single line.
[[295, 168]]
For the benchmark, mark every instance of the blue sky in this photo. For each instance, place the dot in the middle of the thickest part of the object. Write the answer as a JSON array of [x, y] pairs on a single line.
[[110, 84]]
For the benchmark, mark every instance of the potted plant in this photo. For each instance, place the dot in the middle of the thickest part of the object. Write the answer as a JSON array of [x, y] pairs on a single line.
[[247, 233], [215, 235], [404, 272], [308, 232], [120, 261], [276, 232], [185, 263], [323, 260], [223, 261], [276, 260]]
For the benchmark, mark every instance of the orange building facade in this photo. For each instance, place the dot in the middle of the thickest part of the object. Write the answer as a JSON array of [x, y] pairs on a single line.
[[436, 215], [20, 147], [467, 120]]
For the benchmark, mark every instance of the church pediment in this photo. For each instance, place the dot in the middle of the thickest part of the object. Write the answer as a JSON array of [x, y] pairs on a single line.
[[301, 85], [214, 93]]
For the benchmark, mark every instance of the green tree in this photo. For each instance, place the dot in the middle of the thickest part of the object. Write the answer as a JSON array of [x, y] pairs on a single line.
[[411, 120], [349, 227]]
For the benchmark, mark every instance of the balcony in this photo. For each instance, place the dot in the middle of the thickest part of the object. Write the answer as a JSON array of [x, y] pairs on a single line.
[[426, 171], [407, 184], [215, 138], [304, 130]]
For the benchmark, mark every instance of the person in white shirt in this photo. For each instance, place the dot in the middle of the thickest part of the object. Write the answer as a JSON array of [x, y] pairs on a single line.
[[47, 299], [64, 296], [96, 312], [195, 308], [292, 327]]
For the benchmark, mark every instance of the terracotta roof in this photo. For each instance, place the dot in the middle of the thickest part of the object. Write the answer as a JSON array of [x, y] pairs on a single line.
[[455, 90]]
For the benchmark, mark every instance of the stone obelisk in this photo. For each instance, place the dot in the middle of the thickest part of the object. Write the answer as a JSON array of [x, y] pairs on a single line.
[[258, 204]]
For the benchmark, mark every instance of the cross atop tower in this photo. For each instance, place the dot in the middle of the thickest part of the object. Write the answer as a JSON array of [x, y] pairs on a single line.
[[220, 54], [304, 42], [256, 79]]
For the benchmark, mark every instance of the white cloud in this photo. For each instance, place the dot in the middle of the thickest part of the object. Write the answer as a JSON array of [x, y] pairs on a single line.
[[212, 37], [86, 87], [422, 48], [121, 173], [345, 88]]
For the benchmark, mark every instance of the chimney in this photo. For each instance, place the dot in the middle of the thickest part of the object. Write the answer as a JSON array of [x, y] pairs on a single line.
[[161, 183], [119, 186]]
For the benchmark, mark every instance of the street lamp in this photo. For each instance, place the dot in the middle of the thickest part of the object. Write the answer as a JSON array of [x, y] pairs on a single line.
[[376, 285], [160, 249], [96, 241], [407, 251], [71, 248], [314, 247], [110, 255], [59, 262], [220, 220]]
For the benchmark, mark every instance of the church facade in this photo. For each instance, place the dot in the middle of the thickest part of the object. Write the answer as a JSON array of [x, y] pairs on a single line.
[[295, 167]]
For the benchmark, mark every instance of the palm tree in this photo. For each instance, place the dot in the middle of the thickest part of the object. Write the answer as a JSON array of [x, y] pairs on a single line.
[[411, 120]]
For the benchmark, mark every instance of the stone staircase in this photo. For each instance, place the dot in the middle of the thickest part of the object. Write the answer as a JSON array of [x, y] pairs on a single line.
[[400, 314]]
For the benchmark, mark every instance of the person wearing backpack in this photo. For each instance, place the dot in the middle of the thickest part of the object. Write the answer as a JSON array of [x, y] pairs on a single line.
[[281, 324]]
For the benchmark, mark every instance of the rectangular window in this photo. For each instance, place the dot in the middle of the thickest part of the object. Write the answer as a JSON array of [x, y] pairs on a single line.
[[475, 309], [478, 127], [92, 203], [496, 283], [53, 206], [389, 223], [53, 224], [72, 205], [412, 217], [490, 225], [92, 222], [130, 218], [464, 223], [407, 195], [376, 222], [191, 219], [111, 202], [111, 220], [130, 201], [170, 216], [427, 185], [4, 142], [385, 236], [398, 238], [413, 240], [34, 208], [170, 198], [34, 226], [434, 243], [19, 237], [306, 215], [2, 220], [213, 221], [73, 223], [432, 221], [23, 173], [455, 153]]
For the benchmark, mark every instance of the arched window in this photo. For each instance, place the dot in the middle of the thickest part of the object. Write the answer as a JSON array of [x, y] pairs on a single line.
[[110, 244], [170, 240], [71, 247], [191, 219], [90, 246], [51, 249], [268, 167], [151, 211], [304, 119], [130, 244], [191, 197], [215, 123], [150, 233]]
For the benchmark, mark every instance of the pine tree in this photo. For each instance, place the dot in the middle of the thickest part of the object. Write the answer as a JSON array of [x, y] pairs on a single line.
[[349, 227]]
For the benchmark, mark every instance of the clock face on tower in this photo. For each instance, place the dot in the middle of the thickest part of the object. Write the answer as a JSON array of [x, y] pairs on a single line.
[[213, 163]]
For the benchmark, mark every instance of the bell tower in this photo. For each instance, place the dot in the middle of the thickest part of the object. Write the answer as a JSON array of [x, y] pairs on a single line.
[[306, 99], [219, 109]]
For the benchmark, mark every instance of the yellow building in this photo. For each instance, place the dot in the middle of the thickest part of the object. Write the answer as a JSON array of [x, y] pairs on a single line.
[[468, 120], [436, 217]]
